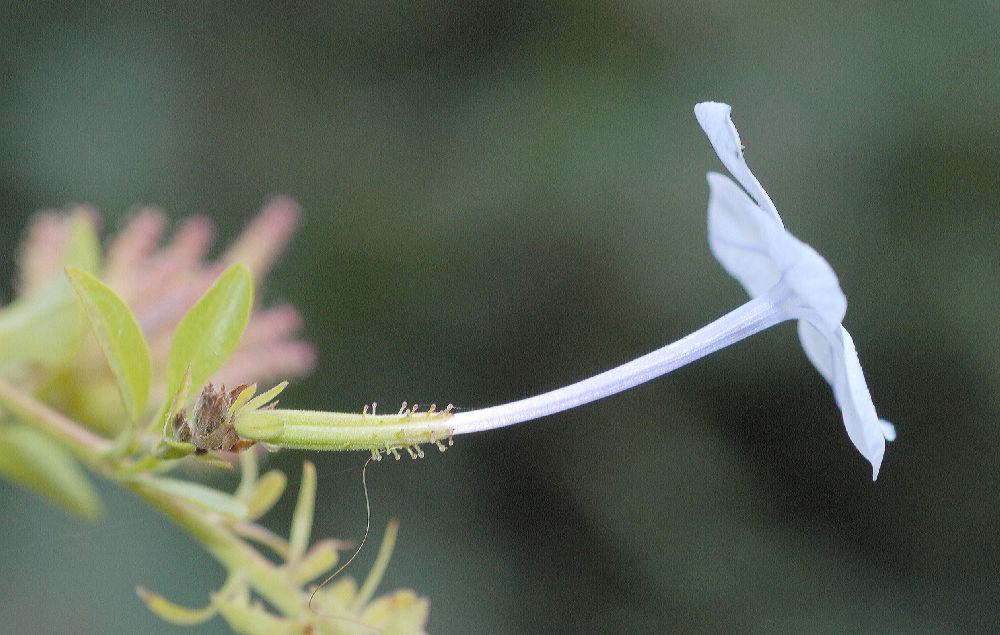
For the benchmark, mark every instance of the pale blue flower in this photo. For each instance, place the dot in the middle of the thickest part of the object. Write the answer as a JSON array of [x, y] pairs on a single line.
[[786, 279], [752, 244]]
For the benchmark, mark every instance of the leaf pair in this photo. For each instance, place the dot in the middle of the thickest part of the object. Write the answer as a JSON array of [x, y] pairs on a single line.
[[204, 339]]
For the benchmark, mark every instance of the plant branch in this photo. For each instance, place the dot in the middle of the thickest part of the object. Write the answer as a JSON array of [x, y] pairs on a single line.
[[85, 444]]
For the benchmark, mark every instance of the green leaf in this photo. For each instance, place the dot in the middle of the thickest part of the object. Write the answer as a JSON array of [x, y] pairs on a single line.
[[201, 495], [170, 449], [210, 331], [120, 337], [245, 395], [84, 248], [375, 574], [176, 404], [174, 613], [268, 490], [317, 561], [211, 460], [34, 461], [302, 517], [266, 397]]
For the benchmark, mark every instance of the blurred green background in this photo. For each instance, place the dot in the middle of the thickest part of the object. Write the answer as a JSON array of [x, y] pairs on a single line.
[[502, 198]]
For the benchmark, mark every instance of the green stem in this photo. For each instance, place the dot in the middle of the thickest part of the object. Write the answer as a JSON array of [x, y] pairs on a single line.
[[225, 547], [230, 551], [88, 446]]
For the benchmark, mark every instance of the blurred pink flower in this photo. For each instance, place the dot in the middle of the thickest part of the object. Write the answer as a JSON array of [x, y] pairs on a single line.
[[161, 282]]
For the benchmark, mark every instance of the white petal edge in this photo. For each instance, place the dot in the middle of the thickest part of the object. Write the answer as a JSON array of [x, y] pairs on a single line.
[[832, 352], [717, 123]]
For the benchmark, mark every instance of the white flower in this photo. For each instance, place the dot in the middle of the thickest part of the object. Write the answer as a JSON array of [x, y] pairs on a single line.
[[786, 278], [752, 244]]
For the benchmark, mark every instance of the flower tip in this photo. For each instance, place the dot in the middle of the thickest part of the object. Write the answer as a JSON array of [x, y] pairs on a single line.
[[875, 456], [707, 107], [266, 236], [715, 118], [712, 115], [876, 466], [301, 357], [281, 210], [888, 430], [192, 240]]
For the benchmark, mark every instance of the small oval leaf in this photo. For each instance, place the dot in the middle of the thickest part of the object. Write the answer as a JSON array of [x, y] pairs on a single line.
[[210, 331], [120, 337], [32, 460]]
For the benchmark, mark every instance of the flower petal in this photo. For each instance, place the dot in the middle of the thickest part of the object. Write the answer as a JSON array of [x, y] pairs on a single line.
[[259, 245], [740, 235], [817, 349], [717, 124], [833, 353], [811, 277], [759, 252]]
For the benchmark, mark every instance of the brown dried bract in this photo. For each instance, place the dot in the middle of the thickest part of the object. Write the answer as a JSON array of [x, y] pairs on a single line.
[[210, 427]]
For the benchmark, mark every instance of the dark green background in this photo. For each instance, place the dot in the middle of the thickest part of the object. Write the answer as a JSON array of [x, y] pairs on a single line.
[[501, 198]]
